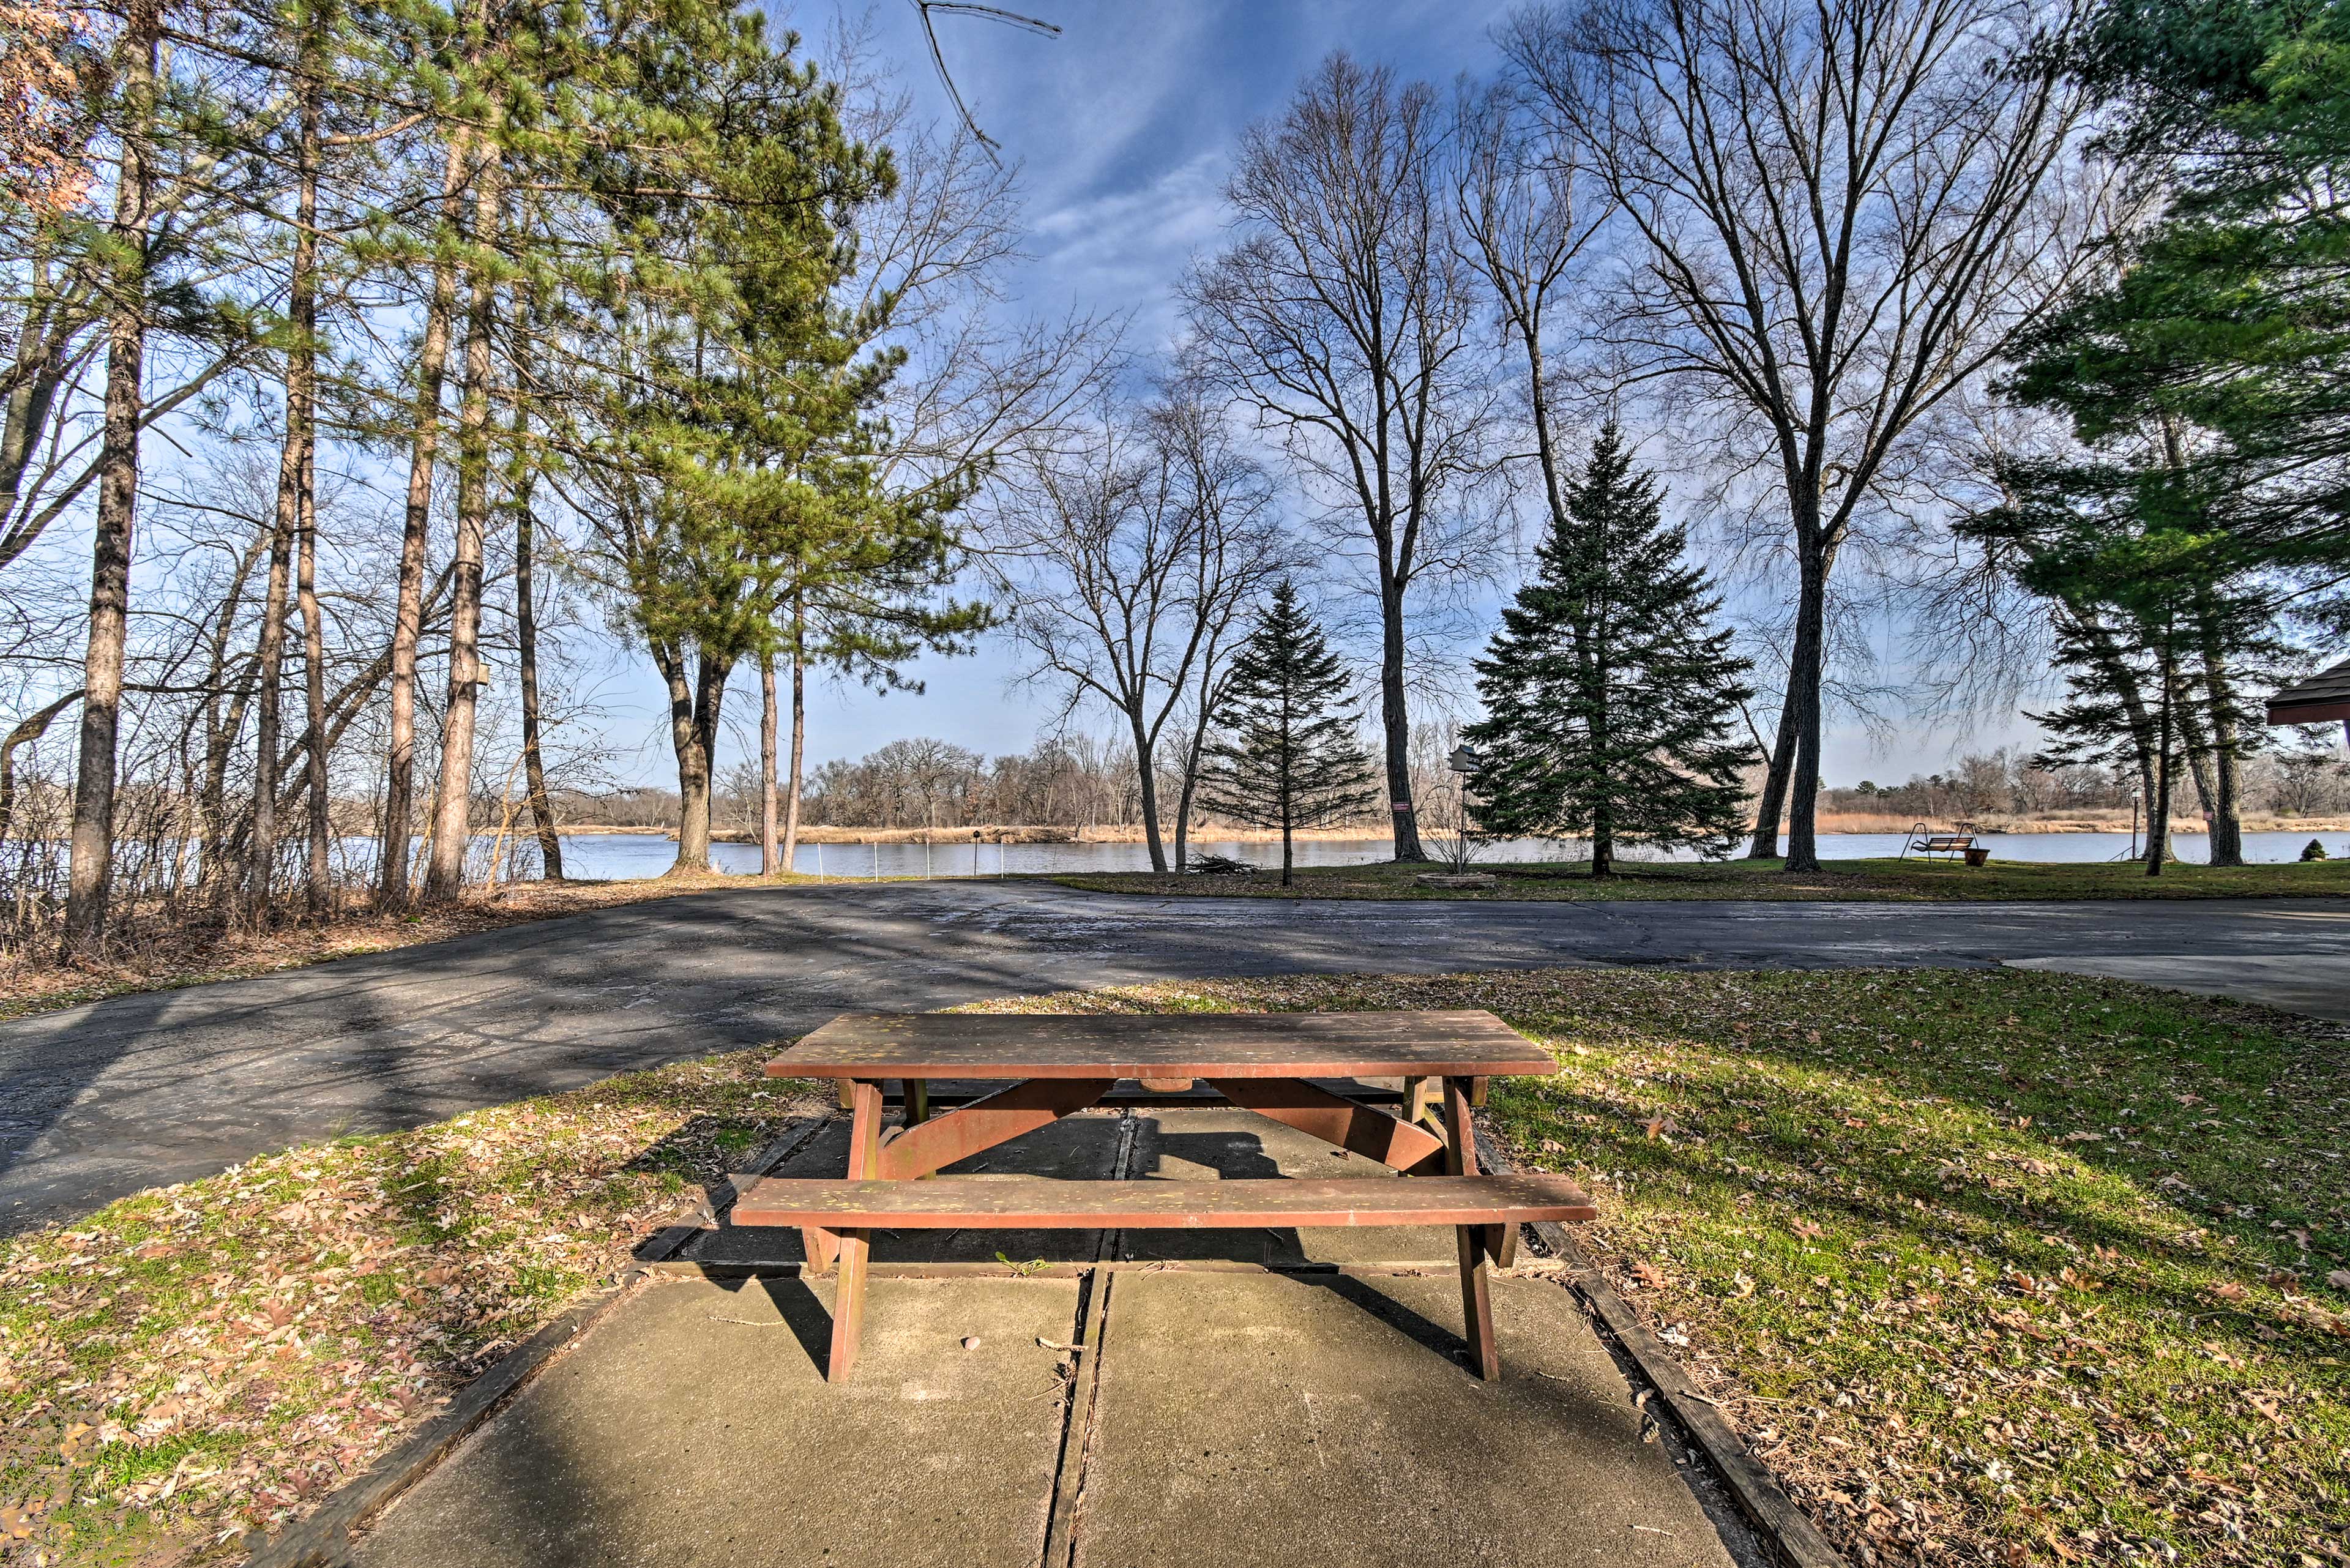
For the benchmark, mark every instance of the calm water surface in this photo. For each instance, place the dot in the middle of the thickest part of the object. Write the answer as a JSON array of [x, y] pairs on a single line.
[[620, 855]]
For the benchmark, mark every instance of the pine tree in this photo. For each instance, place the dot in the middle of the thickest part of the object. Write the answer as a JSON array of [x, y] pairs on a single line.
[[1285, 758], [1609, 698]]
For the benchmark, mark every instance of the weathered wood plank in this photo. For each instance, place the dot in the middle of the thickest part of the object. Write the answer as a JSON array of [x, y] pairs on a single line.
[[854, 1245], [929, 1146], [1465, 1043], [1474, 1240], [1332, 1118], [1002, 1202]]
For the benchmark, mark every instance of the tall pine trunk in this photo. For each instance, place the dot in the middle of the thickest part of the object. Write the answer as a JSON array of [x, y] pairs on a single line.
[[301, 451], [799, 735], [534, 756], [453, 814], [2157, 827], [408, 618], [1288, 803], [261, 847], [693, 712], [770, 764], [2219, 691], [2195, 740], [524, 495], [314, 695], [89, 872]]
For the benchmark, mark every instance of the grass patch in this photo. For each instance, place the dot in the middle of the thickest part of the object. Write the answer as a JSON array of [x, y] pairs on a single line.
[[1990, 1266], [199, 1361], [1873, 881]]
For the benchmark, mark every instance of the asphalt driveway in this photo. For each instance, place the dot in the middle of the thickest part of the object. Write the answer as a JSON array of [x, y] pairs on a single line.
[[102, 1100]]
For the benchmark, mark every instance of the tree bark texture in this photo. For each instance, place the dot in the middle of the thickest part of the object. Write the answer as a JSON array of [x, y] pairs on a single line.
[[407, 620], [770, 762], [453, 815], [90, 855]]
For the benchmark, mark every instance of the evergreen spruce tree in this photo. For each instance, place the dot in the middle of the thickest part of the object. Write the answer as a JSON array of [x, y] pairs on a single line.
[[1286, 759], [1609, 699]]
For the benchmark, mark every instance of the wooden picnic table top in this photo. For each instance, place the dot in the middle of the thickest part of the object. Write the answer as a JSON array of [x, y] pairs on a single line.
[[1460, 1044]]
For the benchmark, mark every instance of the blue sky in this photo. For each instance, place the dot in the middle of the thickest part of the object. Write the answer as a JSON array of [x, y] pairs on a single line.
[[1122, 128]]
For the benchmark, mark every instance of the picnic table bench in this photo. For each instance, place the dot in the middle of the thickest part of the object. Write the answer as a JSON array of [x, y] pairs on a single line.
[[1059, 1064]]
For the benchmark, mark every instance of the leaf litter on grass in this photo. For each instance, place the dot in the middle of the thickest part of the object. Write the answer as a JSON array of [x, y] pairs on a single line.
[[202, 1361], [1990, 1267]]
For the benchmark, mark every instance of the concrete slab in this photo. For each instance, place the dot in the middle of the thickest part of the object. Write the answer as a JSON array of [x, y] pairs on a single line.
[[1248, 1419], [693, 1427], [1240, 1415], [2311, 983]]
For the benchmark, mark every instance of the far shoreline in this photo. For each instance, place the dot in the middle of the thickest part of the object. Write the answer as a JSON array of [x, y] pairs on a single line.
[[996, 833]]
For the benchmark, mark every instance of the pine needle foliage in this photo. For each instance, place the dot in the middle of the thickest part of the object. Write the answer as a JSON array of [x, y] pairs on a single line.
[[1608, 694], [1287, 757]]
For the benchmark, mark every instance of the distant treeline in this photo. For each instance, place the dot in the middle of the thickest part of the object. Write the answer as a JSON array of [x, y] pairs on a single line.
[[2307, 777]]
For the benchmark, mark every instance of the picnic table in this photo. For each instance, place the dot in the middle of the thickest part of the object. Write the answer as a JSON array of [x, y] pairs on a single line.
[[1058, 1065]]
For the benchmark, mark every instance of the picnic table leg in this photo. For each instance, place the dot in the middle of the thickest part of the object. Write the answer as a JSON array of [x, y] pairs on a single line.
[[1419, 1099], [918, 1110], [848, 1292], [1476, 1289]]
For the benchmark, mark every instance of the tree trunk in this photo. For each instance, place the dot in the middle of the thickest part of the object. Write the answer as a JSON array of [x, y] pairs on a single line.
[[2158, 826], [1146, 770], [770, 764], [2106, 651], [1603, 808], [90, 857], [1773, 804], [1288, 806], [1804, 671], [261, 845], [453, 815], [1183, 804], [2227, 815], [1394, 718], [408, 620], [534, 759], [2196, 741], [799, 737], [313, 691], [301, 459], [693, 733]]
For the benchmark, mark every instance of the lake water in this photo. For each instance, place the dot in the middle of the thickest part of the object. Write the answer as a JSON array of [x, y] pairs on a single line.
[[625, 855]]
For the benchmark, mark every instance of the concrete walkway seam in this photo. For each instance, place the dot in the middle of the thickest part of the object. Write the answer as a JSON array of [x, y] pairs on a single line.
[[1775, 1518], [1063, 1511], [324, 1537]]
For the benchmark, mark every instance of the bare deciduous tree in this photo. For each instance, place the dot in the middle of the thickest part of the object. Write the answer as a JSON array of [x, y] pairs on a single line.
[[1836, 212], [1346, 315], [1518, 224], [1129, 559]]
